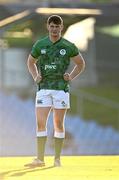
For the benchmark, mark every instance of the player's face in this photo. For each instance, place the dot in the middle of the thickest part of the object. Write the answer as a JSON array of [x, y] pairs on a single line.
[[55, 29]]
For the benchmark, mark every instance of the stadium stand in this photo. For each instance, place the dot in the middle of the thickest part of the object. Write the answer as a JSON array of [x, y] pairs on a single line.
[[17, 132]]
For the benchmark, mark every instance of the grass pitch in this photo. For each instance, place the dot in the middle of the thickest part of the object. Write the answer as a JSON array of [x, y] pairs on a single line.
[[73, 168]]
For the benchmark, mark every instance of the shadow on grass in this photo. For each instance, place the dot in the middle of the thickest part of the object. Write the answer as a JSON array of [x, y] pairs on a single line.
[[23, 171]]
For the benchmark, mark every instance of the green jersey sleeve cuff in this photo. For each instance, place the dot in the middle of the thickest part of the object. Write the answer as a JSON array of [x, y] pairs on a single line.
[[33, 56]]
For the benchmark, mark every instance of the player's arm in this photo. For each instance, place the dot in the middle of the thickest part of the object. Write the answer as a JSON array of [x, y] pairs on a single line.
[[78, 68], [31, 63]]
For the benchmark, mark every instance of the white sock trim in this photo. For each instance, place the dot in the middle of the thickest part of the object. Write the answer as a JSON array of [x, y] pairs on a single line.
[[41, 133], [59, 134]]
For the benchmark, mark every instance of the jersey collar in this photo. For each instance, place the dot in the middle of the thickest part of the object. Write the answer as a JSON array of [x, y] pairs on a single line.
[[56, 41]]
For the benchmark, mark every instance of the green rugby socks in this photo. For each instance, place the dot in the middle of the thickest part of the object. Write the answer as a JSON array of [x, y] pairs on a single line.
[[59, 139], [41, 141]]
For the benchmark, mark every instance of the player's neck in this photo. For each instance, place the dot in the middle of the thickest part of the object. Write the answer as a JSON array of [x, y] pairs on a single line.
[[54, 38]]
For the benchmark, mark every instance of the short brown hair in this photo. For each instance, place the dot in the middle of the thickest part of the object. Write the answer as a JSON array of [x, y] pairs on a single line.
[[55, 19]]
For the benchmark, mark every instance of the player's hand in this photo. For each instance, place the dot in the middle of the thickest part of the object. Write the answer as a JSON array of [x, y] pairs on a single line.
[[67, 77], [38, 78]]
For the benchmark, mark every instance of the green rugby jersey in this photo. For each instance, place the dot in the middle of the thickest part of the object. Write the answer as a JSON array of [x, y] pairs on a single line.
[[53, 60]]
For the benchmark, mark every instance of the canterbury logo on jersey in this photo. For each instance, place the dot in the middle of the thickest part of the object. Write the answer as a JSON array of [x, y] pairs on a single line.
[[51, 66]]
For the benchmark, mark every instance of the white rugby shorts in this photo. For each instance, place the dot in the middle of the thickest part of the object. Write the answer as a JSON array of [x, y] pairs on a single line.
[[57, 99]]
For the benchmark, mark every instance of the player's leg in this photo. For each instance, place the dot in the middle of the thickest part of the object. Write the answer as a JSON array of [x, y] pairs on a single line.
[[61, 104], [43, 107], [41, 116], [59, 134]]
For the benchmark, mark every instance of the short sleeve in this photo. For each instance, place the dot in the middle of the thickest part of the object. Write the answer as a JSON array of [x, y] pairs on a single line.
[[74, 51], [35, 52]]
